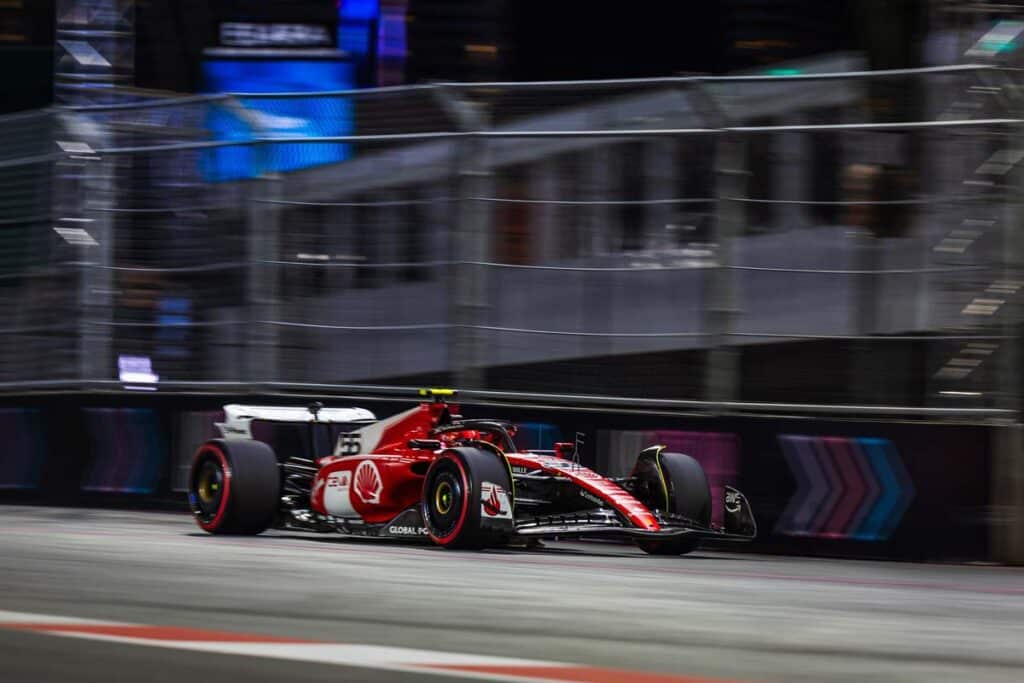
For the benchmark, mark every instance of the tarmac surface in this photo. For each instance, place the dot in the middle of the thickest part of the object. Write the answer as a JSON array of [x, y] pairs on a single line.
[[320, 607]]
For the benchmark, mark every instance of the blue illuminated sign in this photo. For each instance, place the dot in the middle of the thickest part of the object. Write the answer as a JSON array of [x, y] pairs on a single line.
[[315, 115]]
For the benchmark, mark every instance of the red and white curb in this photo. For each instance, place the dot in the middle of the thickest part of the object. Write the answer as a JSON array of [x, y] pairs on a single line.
[[480, 667]]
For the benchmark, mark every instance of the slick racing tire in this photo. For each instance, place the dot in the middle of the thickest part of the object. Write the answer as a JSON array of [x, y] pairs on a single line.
[[234, 487], [678, 482], [467, 499]]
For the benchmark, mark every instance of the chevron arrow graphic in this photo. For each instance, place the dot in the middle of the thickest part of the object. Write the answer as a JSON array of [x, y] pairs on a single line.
[[880, 515], [836, 488], [812, 486], [786, 524], [854, 488], [904, 487], [872, 494], [844, 459]]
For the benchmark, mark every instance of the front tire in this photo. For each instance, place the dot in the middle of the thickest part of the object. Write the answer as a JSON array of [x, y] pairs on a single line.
[[467, 499], [234, 487], [677, 485]]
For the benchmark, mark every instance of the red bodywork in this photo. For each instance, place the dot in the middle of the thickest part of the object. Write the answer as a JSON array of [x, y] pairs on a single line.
[[375, 473]]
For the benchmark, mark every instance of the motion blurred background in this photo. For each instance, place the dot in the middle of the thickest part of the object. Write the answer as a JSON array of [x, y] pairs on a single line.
[[749, 225]]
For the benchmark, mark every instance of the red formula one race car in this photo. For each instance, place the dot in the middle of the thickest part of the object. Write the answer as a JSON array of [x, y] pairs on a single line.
[[428, 473]]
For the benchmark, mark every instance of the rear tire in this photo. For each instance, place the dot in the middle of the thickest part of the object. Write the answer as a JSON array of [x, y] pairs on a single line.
[[455, 513], [678, 482], [234, 487]]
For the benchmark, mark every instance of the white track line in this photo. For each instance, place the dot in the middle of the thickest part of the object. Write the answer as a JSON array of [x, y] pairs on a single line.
[[450, 664]]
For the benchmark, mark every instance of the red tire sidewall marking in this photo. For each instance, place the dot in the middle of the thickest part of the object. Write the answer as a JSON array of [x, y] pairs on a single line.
[[225, 496], [450, 538]]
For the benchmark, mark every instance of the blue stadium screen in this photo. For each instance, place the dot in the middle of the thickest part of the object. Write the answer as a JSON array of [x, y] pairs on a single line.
[[315, 115]]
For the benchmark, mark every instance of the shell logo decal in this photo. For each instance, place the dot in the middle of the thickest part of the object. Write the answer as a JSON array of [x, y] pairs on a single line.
[[494, 501], [367, 483], [492, 506]]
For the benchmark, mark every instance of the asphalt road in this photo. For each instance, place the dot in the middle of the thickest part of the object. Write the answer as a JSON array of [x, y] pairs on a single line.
[[734, 617]]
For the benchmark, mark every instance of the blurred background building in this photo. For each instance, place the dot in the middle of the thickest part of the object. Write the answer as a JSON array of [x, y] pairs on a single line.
[[820, 253]]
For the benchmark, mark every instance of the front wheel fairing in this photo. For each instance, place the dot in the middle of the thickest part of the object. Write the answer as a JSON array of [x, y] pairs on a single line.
[[613, 495]]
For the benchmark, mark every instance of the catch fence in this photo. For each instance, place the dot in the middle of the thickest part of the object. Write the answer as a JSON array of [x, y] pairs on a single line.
[[748, 243]]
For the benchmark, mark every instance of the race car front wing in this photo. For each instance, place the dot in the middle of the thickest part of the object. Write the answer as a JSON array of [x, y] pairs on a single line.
[[738, 523]]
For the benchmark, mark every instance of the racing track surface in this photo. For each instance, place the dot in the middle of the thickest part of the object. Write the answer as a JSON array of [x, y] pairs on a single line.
[[714, 615]]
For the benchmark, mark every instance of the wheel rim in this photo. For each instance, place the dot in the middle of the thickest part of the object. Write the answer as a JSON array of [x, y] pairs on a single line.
[[209, 487], [443, 498], [210, 484], [445, 502]]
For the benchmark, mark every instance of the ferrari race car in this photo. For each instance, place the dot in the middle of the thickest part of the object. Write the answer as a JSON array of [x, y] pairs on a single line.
[[427, 473]]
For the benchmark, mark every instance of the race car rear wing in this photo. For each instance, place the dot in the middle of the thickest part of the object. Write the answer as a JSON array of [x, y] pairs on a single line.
[[238, 418]]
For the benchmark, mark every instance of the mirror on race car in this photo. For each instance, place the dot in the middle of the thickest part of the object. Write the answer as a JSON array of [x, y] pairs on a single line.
[[565, 449], [425, 444]]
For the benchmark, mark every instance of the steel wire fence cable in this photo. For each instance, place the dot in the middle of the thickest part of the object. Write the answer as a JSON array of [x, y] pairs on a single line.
[[385, 202], [599, 133], [914, 201], [361, 328], [164, 209], [55, 327], [352, 264], [22, 220], [854, 271], [525, 399], [168, 324], [533, 85], [938, 199], [628, 269], [570, 333], [849, 337], [355, 92], [208, 267], [42, 275], [870, 337], [573, 333], [596, 202], [148, 104], [747, 78], [33, 160]]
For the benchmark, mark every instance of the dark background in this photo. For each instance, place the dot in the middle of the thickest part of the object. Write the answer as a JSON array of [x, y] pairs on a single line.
[[533, 40]]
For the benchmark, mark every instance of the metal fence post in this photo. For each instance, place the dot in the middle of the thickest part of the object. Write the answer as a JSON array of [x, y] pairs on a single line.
[[87, 187], [1012, 250], [661, 158], [722, 372], [470, 243], [867, 258], [263, 279], [1006, 504], [472, 238]]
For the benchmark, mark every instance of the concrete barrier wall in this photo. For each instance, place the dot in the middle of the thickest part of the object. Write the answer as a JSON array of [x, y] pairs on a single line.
[[842, 487]]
